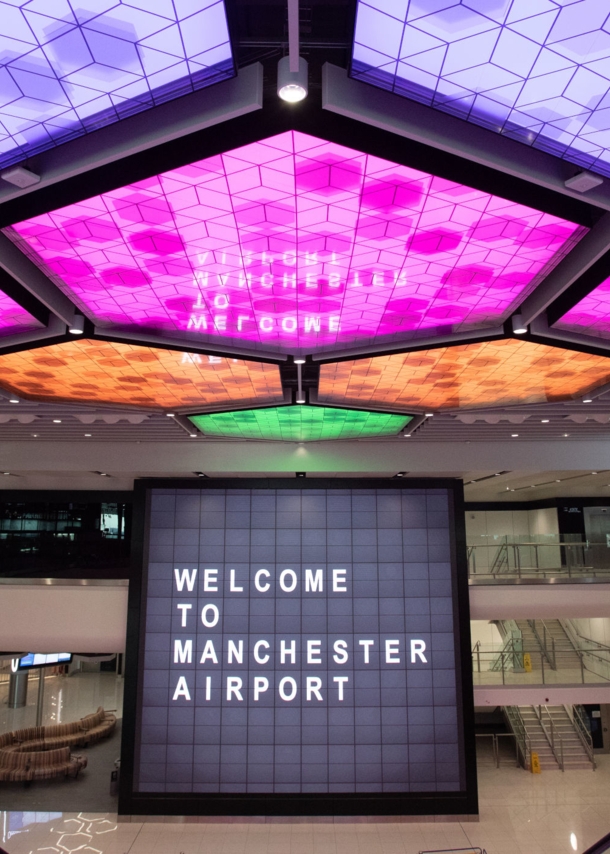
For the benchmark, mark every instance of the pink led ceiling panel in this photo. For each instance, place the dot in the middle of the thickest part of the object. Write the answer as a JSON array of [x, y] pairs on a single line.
[[591, 316], [295, 244], [15, 319]]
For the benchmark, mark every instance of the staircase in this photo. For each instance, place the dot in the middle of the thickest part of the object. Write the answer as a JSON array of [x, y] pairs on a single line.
[[551, 733], [559, 653]]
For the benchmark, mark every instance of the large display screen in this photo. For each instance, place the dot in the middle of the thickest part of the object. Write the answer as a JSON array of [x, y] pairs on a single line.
[[300, 642]]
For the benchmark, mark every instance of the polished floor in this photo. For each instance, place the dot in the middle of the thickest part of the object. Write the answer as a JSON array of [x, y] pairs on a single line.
[[550, 813], [520, 813]]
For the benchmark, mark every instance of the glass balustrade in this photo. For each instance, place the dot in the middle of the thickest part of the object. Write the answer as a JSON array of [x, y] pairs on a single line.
[[536, 558]]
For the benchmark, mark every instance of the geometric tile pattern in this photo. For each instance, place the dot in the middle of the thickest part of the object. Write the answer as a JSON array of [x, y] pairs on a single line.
[[590, 316], [131, 375], [300, 424], [534, 70], [295, 244], [492, 373], [69, 68], [13, 318]]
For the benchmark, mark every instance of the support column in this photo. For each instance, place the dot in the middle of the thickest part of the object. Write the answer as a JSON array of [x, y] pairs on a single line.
[[18, 689]]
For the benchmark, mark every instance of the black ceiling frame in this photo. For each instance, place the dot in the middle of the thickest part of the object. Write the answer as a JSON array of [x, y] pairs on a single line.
[[307, 117]]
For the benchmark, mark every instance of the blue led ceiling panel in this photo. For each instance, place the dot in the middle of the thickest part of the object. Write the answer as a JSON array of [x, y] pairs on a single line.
[[534, 70], [67, 68]]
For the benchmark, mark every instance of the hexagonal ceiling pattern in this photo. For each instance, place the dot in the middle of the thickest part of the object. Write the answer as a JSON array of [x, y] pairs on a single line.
[[14, 318], [300, 424], [590, 316], [131, 375], [297, 245], [534, 70], [68, 68], [493, 373]]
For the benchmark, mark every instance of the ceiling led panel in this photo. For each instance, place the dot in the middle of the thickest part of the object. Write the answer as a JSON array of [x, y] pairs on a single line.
[[591, 316], [497, 373], [534, 70], [14, 319], [300, 424], [101, 372], [296, 245], [68, 68]]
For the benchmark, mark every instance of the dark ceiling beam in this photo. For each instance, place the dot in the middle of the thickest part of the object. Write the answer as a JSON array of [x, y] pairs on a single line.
[[180, 117], [584, 255], [418, 122], [30, 277]]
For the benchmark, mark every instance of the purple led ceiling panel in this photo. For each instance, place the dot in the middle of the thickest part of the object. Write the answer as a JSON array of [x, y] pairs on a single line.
[[295, 244], [534, 70], [15, 319], [68, 67], [591, 316]]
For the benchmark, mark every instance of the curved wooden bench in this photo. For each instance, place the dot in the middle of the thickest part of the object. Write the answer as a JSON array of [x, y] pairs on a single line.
[[44, 752], [25, 765]]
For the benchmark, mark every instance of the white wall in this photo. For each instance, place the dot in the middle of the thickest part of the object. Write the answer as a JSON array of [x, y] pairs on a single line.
[[485, 632], [539, 601], [482, 526], [40, 618]]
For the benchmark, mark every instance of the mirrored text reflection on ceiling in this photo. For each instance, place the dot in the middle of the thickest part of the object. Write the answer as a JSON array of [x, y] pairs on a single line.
[[69, 68], [534, 70], [295, 244]]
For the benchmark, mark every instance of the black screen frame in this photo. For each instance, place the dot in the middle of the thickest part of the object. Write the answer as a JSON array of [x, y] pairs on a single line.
[[248, 804]]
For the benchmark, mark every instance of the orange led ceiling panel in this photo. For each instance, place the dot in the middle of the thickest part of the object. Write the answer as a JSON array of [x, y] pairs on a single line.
[[492, 373], [131, 375]]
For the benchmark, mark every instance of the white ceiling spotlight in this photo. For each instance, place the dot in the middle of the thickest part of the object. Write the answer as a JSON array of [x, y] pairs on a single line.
[[77, 327], [292, 86], [292, 74], [519, 327]]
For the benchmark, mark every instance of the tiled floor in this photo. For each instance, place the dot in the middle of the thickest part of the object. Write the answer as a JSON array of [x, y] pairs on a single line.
[[552, 813]]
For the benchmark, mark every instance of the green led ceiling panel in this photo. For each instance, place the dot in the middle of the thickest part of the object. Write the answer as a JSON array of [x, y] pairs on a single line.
[[300, 423]]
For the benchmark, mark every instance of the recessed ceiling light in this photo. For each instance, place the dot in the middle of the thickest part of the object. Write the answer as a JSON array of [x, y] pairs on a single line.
[[193, 435], [514, 435], [35, 435], [544, 421], [103, 474], [588, 400], [88, 435], [565, 435], [557, 481], [13, 400], [407, 435], [6, 472], [57, 421], [593, 472], [429, 414], [171, 414]]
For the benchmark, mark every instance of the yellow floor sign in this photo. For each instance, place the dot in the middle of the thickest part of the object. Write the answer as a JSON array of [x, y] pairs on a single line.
[[527, 662], [535, 762]]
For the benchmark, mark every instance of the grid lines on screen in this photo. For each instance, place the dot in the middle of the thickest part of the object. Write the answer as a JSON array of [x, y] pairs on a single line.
[[391, 727]]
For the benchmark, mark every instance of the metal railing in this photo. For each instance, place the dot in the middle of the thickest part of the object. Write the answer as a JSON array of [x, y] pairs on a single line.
[[516, 663], [495, 739], [547, 649], [550, 730], [502, 561], [578, 716], [522, 739], [469, 850]]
